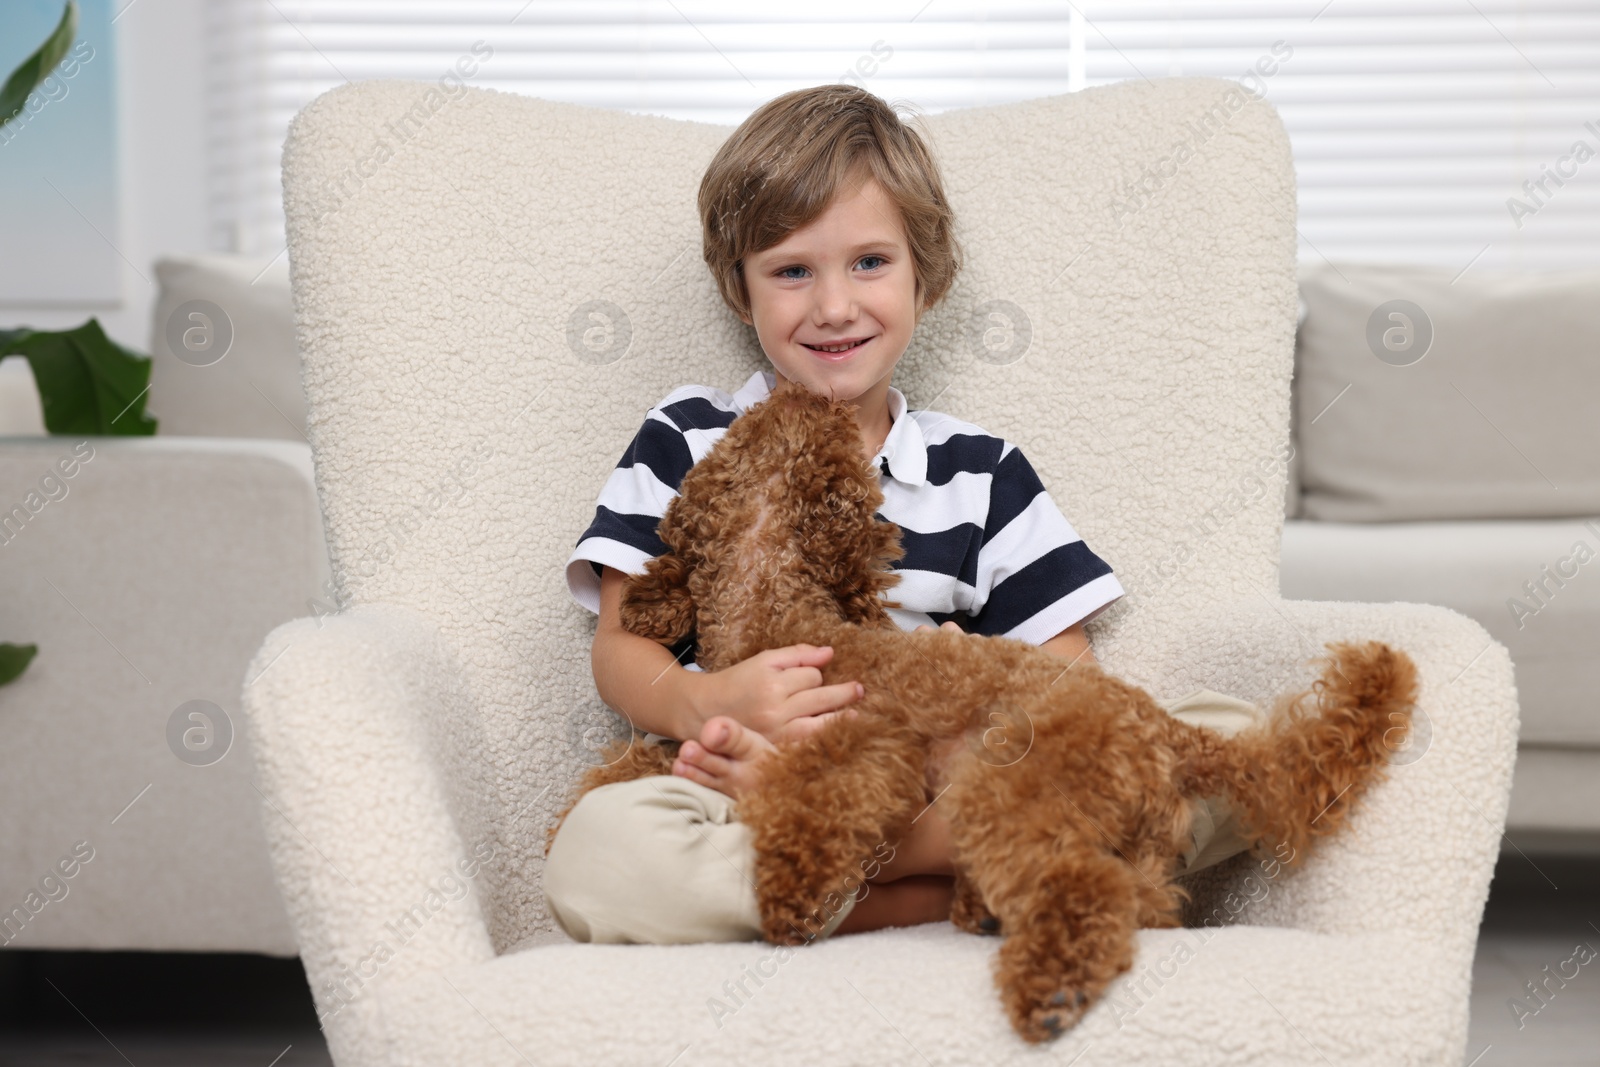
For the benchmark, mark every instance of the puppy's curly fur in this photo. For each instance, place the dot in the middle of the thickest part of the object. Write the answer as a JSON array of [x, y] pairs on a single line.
[[1070, 802]]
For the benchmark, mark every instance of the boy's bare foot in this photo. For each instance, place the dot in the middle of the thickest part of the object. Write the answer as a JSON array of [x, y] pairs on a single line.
[[727, 757]]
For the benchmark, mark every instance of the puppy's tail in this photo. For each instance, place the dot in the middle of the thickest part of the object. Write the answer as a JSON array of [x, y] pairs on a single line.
[[1295, 778]]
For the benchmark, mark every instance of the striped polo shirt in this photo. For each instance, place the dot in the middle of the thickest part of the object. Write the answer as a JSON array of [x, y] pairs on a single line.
[[984, 543]]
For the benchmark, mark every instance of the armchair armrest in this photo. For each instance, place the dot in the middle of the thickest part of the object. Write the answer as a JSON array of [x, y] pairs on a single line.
[[374, 871]]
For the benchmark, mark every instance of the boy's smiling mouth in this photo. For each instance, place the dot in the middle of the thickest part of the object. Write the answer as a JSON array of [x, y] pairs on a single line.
[[837, 351]]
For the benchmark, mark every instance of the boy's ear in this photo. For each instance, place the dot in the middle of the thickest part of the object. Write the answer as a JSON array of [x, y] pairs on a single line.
[[656, 604]]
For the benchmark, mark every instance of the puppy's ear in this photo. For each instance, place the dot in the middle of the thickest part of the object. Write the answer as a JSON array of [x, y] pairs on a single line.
[[863, 571], [656, 604], [882, 548]]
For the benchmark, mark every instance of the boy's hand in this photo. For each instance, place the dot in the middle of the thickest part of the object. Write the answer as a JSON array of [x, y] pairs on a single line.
[[948, 624], [778, 693]]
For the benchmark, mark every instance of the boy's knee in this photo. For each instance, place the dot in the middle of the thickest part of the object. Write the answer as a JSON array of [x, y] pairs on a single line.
[[656, 860], [602, 818], [600, 851]]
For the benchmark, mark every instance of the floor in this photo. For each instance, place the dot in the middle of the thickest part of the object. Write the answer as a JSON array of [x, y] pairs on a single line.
[[1544, 911], [94, 1009], [69, 1009]]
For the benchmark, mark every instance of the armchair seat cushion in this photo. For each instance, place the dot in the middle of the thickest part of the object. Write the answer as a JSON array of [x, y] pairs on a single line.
[[1235, 994]]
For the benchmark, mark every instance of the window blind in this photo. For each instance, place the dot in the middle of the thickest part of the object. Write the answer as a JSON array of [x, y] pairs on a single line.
[[1458, 132]]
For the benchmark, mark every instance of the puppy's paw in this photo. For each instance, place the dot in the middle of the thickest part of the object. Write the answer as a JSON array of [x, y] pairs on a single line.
[[1059, 1013], [968, 911], [1048, 984]]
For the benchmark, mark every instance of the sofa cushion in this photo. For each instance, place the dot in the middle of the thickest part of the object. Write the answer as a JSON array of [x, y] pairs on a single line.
[[1534, 585], [222, 337], [1425, 393]]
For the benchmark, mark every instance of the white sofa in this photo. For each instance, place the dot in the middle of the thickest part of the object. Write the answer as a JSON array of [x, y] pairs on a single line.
[[1457, 462], [148, 576], [414, 748]]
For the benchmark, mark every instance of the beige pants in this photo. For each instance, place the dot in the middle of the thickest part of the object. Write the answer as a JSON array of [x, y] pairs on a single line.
[[664, 860]]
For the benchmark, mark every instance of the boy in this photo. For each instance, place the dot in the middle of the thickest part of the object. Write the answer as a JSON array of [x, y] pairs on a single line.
[[826, 227]]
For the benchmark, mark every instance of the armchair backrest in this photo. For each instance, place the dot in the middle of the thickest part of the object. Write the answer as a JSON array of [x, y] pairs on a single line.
[[491, 290]]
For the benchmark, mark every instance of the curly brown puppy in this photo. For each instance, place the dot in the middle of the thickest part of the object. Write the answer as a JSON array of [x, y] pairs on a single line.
[[1069, 805]]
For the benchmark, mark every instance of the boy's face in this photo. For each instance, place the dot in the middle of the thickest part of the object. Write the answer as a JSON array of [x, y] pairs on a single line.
[[847, 276]]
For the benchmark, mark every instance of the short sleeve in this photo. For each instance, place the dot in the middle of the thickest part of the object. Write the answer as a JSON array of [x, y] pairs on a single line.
[[631, 504], [1036, 576]]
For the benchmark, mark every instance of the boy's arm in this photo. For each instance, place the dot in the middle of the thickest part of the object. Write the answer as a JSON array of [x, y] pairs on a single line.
[[638, 676], [778, 693], [1071, 644]]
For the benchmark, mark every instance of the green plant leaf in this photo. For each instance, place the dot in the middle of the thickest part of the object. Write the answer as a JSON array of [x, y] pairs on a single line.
[[88, 384], [38, 66], [14, 659]]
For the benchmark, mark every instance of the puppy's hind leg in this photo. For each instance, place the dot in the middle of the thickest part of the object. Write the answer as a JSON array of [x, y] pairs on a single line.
[[826, 809], [1067, 903], [1069, 918]]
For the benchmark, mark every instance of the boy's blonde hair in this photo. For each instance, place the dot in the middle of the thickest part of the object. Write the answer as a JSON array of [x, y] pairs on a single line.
[[783, 166]]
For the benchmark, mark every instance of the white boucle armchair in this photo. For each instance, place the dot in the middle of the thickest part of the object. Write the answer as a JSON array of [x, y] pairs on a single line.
[[488, 306]]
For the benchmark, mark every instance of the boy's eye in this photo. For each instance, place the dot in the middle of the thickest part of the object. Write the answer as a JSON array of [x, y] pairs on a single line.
[[786, 276]]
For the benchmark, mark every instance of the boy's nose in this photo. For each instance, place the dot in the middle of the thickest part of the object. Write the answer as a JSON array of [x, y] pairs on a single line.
[[836, 302]]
